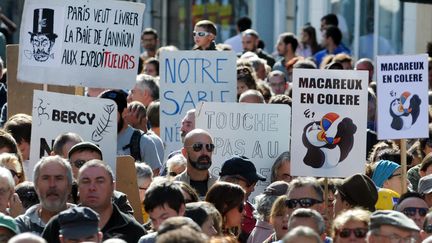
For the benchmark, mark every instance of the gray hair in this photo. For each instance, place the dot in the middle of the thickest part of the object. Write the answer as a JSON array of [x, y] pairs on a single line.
[[6, 174], [176, 160], [145, 81], [301, 231], [307, 181], [62, 139], [252, 93], [285, 156], [143, 171], [263, 206], [49, 159], [27, 237], [311, 214]]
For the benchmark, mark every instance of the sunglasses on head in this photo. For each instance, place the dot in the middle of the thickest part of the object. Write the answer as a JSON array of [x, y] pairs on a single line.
[[199, 146], [358, 232], [14, 173], [411, 211], [79, 163], [201, 33], [303, 202]]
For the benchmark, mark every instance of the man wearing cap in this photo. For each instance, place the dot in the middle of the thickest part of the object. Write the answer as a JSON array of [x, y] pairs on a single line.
[[78, 155], [125, 145], [53, 182], [413, 206], [355, 191], [391, 226], [79, 224], [96, 186], [198, 149], [241, 171], [8, 228], [425, 188]]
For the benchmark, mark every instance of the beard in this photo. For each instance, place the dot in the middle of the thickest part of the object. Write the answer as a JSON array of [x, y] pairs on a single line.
[[202, 163], [57, 205]]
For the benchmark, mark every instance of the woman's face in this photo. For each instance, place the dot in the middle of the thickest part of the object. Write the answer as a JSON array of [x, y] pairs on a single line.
[[304, 37], [208, 227], [234, 216], [241, 87], [395, 182], [142, 187], [351, 231], [280, 223]]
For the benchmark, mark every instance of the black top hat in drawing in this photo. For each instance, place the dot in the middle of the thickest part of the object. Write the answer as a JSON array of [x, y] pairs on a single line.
[[43, 22]]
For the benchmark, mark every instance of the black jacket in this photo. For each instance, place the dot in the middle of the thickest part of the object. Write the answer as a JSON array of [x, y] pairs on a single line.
[[119, 225]]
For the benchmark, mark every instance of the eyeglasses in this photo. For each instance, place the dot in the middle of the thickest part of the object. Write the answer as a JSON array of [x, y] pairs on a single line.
[[303, 202], [201, 33], [399, 239], [428, 228], [358, 232], [199, 146], [394, 175], [79, 163], [411, 211], [14, 173]]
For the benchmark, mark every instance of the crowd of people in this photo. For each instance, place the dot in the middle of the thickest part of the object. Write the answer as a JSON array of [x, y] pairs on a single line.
[[70, 195]]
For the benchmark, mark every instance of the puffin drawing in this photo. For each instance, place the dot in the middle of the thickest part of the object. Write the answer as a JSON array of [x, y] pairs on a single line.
[[328, 141], [404, 111]]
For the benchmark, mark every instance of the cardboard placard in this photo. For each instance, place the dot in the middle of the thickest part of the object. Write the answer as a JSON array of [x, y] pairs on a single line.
[[82, 43], [402, 96], [126, 182], [329, 125], [94, 119], [261, 132], [190, 77]]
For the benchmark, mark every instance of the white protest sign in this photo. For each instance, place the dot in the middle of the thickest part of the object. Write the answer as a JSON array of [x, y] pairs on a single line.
[[329, 122], [402, 93], [82, 43], [187, 78], [261, 132], [94, 119]]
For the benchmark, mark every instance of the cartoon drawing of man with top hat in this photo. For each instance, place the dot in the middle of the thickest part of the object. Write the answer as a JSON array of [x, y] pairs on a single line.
[[42, 38]]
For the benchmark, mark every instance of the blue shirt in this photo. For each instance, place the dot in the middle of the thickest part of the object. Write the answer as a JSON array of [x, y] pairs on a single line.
[[321, 54]]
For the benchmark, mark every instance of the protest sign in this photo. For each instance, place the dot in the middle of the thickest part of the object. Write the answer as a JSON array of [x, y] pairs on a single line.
[[20, 95], [261, 132], [94, 119], [82, 43], [329, 125], [187, 78], [402, 93]]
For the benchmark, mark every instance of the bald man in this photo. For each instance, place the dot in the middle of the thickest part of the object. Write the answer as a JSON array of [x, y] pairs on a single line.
[[198, 148]]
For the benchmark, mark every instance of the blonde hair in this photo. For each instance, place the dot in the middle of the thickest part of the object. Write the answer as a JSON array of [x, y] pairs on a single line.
[[12, 161], [279, 206]]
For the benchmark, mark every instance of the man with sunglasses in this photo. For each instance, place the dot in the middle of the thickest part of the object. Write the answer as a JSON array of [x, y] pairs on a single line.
[[305, 192], [413, 205], [198, 149], [392, 226]]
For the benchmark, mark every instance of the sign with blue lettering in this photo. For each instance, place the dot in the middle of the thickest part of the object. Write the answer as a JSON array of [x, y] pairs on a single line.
[[402, 93], [94, 119], [190, 77], [329, 129], [261, 132], [88, 43]]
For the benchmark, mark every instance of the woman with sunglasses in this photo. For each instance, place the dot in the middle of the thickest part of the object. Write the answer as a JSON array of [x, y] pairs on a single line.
[[279, 219], [12, 163], [351, 226], [228, 198], [386, 174]]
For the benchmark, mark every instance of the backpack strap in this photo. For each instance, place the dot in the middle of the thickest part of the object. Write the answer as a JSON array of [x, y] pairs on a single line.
[[134, 145]]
